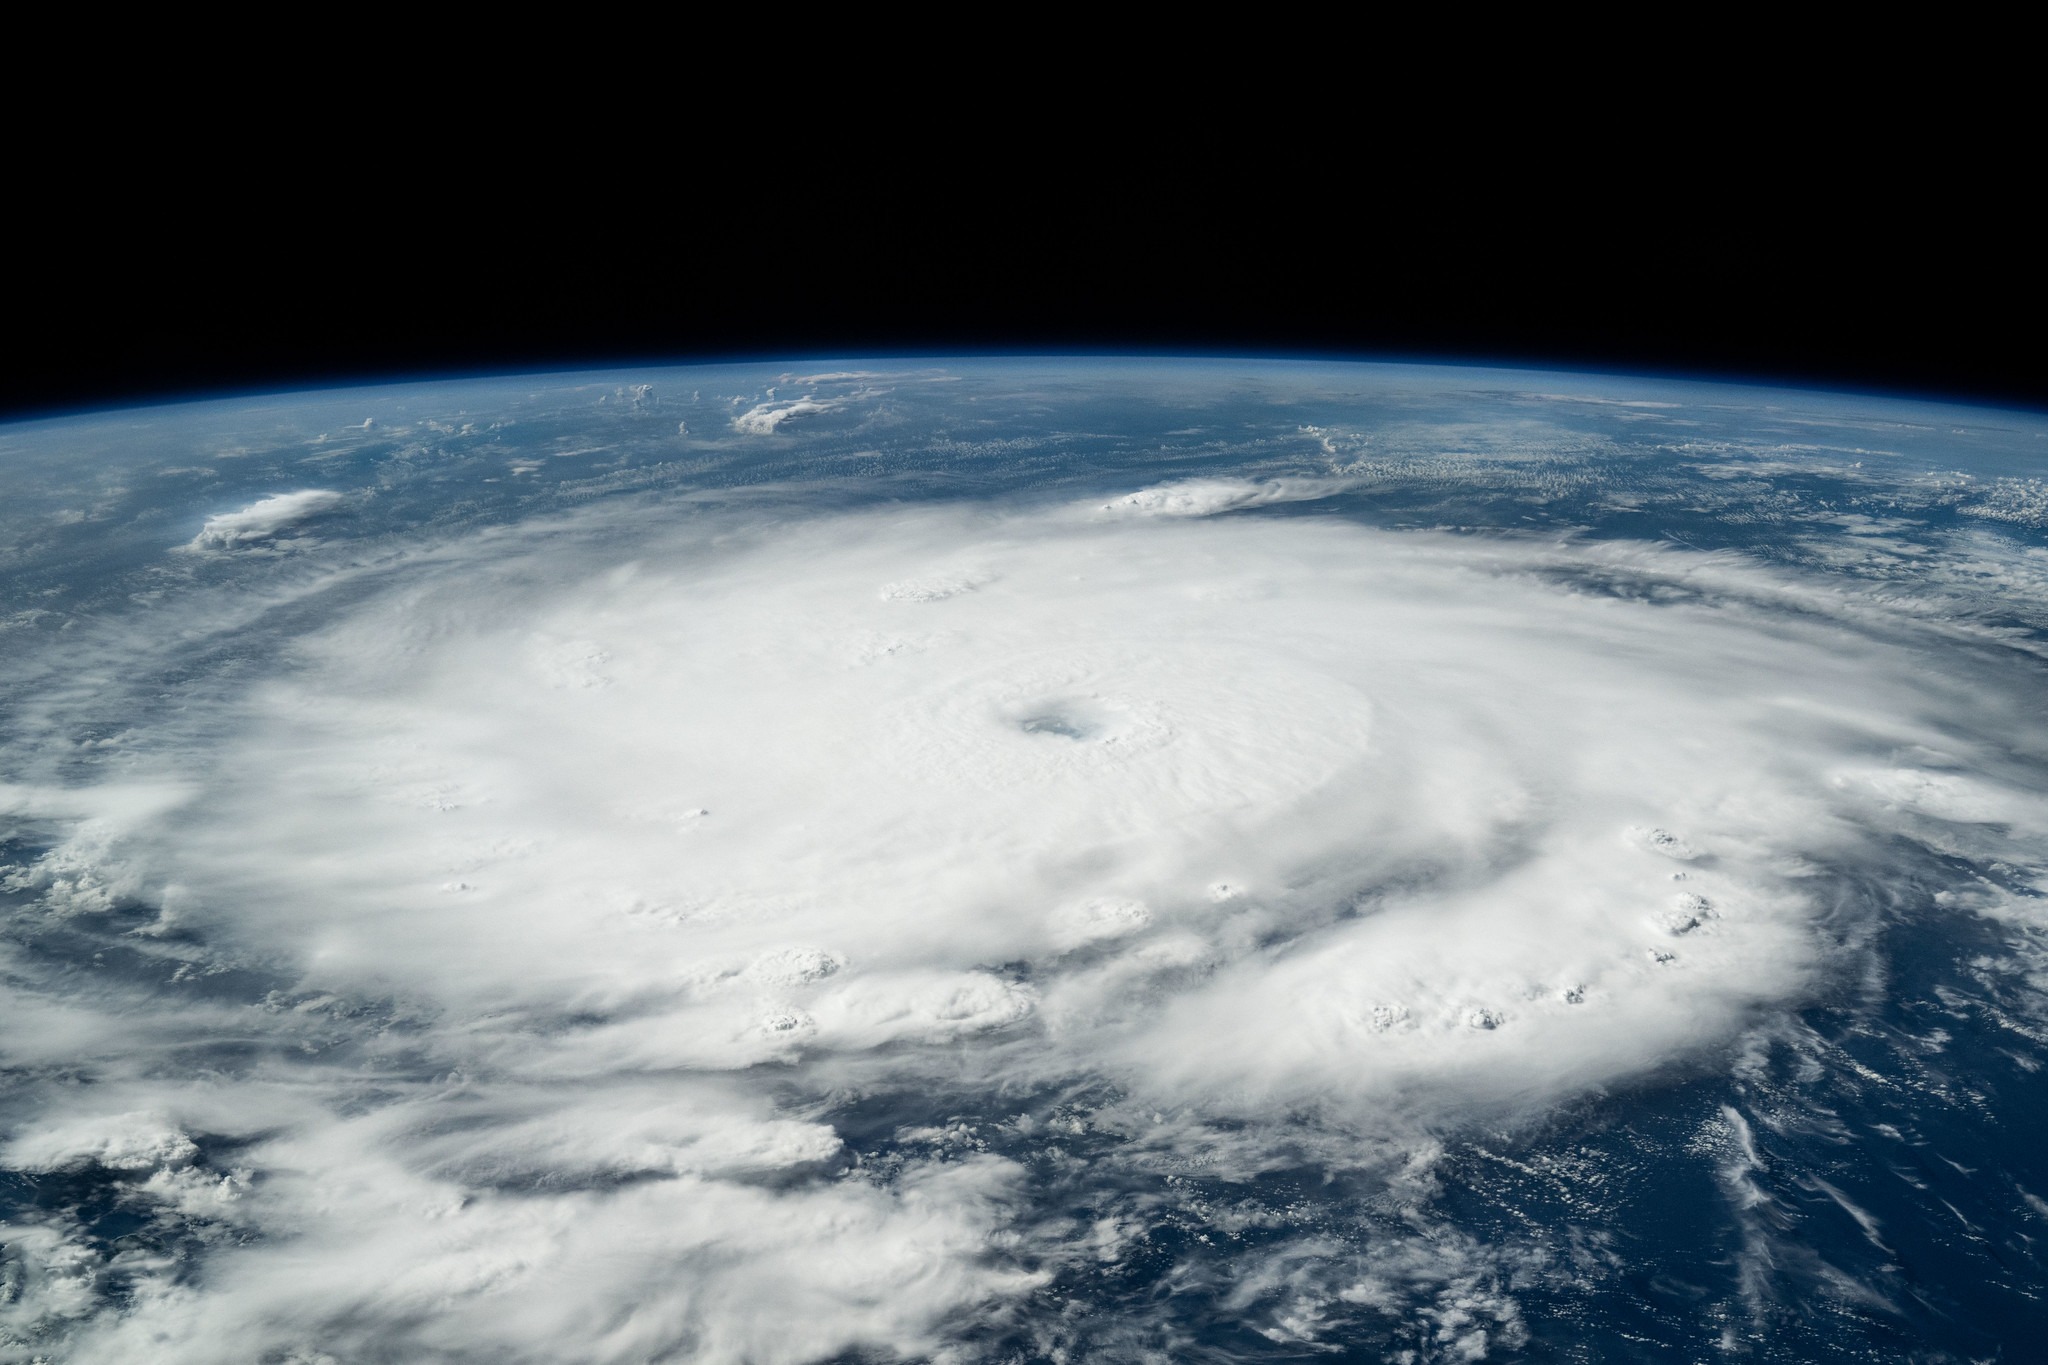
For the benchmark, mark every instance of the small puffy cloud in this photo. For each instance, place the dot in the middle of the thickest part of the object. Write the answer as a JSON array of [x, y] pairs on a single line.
[[1097, 920], [263, 520]]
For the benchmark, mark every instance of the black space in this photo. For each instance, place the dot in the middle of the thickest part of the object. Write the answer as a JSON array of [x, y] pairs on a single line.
[[234, 290]]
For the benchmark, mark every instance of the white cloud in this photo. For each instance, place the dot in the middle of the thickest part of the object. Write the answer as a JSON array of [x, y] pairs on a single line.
[[763, 418], [593, 896], [122, 1142], [263, 520], [1207, 497], [385, 1266]]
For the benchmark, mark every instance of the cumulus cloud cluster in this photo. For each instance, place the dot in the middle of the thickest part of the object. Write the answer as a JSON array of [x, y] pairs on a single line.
[[602, 880], [1207, 497], [763, 419], [263, 520]]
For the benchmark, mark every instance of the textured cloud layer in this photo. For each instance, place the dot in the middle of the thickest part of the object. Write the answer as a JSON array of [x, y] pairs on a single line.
[[602, 869]]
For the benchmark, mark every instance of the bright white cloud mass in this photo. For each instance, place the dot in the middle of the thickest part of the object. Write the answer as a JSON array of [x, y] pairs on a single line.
[[606, 866], [263, 520]]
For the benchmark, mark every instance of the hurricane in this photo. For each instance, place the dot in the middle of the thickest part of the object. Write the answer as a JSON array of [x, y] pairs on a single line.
[[1016, 861]]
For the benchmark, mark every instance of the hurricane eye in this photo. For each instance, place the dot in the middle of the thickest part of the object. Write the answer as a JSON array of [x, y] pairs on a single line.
[[1053, 723]]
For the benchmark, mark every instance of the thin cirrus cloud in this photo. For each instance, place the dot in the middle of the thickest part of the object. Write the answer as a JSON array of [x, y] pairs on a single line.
[[598, 867]]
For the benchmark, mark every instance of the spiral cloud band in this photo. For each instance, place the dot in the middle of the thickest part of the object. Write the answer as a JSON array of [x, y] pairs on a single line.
[[620, 866], [737, 931]]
